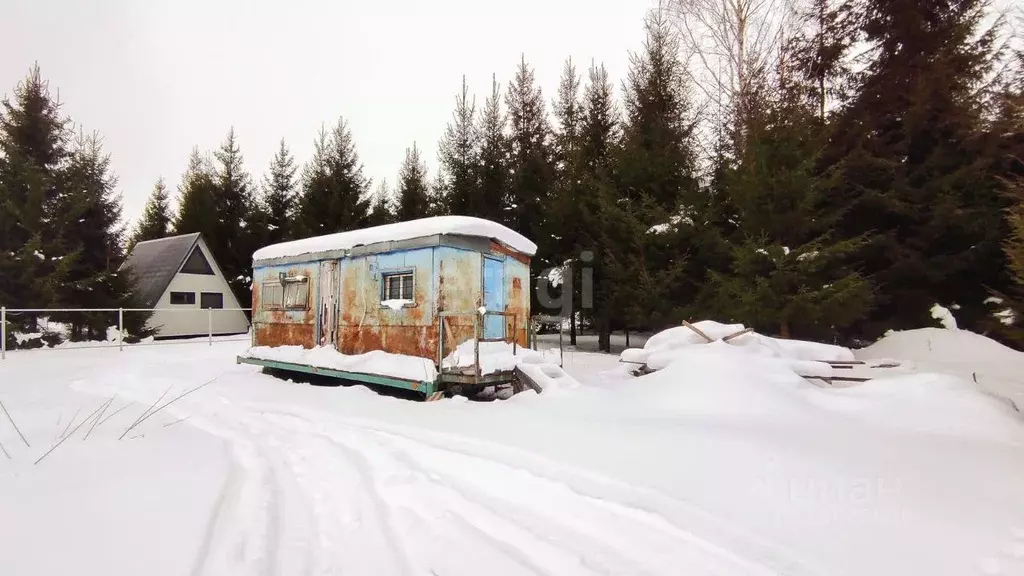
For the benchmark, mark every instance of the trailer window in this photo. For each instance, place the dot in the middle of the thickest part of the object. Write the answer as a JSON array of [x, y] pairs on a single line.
[[272, 296], [296, 295], [397, 286]]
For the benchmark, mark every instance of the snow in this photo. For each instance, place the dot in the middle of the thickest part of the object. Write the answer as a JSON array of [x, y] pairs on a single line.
[[463, 225], [972, 357], [944, 316], [1006, 317], [664, 347], [374, 362], [396, 303], [724, 462], [494, 356]]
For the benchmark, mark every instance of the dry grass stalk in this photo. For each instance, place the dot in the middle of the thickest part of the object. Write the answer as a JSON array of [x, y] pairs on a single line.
[[18, 430], [168, 403]]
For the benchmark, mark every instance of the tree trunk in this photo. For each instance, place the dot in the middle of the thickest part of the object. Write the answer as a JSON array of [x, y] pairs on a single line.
[[572, 329], [784, 329], [604, 333]]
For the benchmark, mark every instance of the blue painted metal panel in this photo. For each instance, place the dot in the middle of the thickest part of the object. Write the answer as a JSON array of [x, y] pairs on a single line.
[[494, 297]]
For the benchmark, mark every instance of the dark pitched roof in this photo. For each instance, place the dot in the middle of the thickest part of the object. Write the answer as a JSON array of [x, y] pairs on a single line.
[[154, 263]]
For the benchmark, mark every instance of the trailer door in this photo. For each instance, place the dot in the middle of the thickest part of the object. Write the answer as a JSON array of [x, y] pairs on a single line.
[[494, 297], [327, 308]]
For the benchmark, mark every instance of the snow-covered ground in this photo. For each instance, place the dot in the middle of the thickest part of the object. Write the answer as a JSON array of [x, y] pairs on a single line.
[[717, 464]]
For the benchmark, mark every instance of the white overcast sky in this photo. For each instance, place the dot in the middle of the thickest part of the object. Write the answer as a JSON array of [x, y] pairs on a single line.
[[157, 77]]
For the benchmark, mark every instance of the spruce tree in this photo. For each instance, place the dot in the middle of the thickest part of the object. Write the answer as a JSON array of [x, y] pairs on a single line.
[[382, 209], [599, 142], [197, 207], [821, 51], [156, 216], [492, 169], [531, 169], [457, 155], [235, 237], [34, 139], [413, 189], [658, 185], [278, 201], [529, 151], [915, 170], [565, 219], [334, 194], [790, 275], [88, 227]]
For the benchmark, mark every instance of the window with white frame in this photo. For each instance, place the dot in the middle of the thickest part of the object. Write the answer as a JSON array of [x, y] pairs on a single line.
[[397, 286]]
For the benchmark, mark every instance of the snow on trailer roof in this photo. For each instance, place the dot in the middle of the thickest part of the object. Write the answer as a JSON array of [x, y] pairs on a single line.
[[460, 225]]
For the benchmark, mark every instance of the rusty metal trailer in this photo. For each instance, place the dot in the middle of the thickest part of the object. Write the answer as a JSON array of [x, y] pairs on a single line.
[[412, 288]]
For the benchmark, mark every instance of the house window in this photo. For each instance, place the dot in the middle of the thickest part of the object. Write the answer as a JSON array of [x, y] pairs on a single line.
[[197, 263], [211, 300], [183, 297], [272, 295], [398, 286]]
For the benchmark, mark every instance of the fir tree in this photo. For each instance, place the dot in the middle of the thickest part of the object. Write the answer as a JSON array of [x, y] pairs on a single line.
[[493, 158], [915, 170], [530, 163], [89, 230], [413, 188], [565, 211], [658, 185], [382, 209], [278, 201], [789, 274], [599, 141], [34, 140], [334, 194], [234, 237], [197, 208], [821, 50], [457, 156], [156, 216]]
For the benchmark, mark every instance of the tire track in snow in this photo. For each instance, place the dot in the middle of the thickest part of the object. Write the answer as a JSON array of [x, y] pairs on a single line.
[[542, 528]]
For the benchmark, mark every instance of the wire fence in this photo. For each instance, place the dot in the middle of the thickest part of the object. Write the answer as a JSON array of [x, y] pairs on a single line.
[[189, 324]]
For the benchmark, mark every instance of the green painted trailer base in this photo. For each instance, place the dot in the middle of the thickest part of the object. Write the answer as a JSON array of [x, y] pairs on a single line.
[[427, 387]]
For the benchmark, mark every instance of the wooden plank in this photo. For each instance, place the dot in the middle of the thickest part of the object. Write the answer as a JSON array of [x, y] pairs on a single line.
[[698, 331], [737, 334]]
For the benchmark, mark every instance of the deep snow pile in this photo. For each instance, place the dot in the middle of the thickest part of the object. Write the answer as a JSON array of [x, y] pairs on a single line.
[[667, 346], [374, 362], [972, 357], [723, 462]]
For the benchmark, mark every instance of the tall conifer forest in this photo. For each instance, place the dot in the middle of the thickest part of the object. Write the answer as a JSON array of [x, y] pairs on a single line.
[[825, 169]]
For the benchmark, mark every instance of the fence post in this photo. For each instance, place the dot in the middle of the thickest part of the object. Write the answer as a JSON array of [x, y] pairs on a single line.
[[3, 332], [209, 324], [120, 329]]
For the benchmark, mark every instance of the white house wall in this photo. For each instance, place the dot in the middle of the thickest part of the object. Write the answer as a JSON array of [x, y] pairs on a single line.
[[191, 319]]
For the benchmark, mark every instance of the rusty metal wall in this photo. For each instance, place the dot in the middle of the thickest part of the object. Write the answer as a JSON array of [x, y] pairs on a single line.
[[284, 327], [444, 278], [365, 324]]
